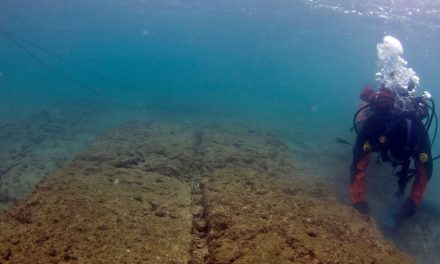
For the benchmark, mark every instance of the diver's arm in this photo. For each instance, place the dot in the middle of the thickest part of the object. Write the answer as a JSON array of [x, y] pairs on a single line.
[[357, 183], [361, 157], [418, 187], [423, 166]]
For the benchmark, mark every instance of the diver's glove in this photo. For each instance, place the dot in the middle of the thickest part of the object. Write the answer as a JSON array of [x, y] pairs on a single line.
[[361, 207], [398, 215]]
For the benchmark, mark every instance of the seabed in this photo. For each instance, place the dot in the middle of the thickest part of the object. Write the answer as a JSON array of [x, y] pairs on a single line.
[[169, 192]]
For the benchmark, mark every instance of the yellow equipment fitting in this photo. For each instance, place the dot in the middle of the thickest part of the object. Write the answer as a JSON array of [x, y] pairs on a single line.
[[367, 147], [423, 157]]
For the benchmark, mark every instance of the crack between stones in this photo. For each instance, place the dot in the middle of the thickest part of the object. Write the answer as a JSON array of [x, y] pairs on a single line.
[[199, 245]]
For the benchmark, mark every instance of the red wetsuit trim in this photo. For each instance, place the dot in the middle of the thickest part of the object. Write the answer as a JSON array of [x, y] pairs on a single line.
[[357, 187], [419, 185]]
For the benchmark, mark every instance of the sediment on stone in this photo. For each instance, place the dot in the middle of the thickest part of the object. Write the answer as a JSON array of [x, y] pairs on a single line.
[[42, 142], [164, 193], [262, 209], [199, 247], [126, 200]]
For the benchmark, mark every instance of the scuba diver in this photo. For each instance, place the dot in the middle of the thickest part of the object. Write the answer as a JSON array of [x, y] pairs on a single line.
[[395, 124]]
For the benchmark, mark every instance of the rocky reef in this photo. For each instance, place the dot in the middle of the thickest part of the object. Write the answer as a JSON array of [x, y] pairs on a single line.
[[159, 192]]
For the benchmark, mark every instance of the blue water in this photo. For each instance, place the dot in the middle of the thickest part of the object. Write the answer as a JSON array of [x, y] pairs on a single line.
[[291, 65]]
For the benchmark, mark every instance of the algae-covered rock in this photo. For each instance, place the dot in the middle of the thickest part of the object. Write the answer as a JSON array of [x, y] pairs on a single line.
[[169, 193]]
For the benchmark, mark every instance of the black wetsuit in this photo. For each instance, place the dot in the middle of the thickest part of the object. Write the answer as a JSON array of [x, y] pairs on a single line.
[[399, 137]]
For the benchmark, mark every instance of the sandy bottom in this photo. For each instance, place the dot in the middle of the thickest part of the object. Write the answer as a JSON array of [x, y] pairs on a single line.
[[174, 193]]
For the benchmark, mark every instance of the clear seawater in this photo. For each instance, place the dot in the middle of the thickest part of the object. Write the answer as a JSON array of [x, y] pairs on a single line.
[[293, 65]]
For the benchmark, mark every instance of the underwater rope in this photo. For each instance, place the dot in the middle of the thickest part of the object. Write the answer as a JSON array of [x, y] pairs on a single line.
[[61, 58], [61, 31], [16, 41]]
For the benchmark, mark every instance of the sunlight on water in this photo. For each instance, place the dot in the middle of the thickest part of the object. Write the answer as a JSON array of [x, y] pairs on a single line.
[[426, 12]]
